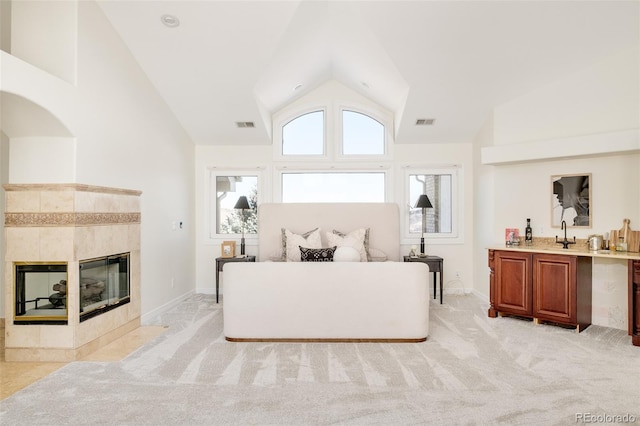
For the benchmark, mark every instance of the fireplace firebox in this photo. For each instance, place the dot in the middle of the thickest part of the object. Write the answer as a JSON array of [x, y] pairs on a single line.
[[104, 284], [41, 294]]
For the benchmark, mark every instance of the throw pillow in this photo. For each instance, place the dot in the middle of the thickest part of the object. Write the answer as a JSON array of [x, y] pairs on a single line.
[[365, 242], [353, 239], [346, 254], [316, 255], [291, 242], [377, 255]]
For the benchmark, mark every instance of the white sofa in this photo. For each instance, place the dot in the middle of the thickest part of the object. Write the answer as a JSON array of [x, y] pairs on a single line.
[[327, 301]]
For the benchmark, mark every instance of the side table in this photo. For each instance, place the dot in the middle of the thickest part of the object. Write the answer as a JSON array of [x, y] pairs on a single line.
[[435, 265], [220, 261]]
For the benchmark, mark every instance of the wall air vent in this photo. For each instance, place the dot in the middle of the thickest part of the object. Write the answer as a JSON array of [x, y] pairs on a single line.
[[425, 121], [244, 124]]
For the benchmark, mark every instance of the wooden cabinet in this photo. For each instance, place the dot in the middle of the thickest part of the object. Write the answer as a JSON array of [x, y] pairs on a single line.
[[546, 287], [513, 283], [634, 301], [562, 289]]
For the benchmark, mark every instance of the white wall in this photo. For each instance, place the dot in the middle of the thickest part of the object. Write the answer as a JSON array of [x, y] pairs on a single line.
[[129, 138], [125, 137], [42, 159], [43, 33], [601, 98], [524, 191], [484, 196]]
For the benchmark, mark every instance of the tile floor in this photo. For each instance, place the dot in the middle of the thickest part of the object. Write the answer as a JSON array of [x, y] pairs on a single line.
[[18, 375]]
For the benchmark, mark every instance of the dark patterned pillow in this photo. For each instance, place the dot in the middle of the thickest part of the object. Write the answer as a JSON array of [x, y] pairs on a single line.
[[317, 255]]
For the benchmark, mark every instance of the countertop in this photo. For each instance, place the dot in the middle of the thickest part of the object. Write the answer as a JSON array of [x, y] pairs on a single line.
[[580, 250]]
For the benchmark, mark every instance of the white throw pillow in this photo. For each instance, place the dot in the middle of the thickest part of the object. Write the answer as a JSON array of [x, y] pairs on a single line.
[[377, 255], [353, 239], [294, 241], [346, 254]]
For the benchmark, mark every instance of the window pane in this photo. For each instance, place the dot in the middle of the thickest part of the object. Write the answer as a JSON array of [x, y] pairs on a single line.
[[438, 189], [228, 190], [361, 134], [332, 187], [304, 135]]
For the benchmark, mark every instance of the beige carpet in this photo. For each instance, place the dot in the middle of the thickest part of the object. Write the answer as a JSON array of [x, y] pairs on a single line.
[[472, 370], [15, 376]]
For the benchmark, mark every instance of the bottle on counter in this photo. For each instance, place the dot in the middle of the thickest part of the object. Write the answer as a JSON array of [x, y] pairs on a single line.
[[622, 245], [528, 234]]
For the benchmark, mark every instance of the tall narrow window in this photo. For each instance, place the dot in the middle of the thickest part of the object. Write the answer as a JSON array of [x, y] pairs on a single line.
[[228, 189], [439, 189], [304, 135], [361, 134]]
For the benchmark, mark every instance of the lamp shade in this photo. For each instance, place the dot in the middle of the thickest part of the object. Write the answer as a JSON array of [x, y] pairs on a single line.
[[242, 203], [423, 202]]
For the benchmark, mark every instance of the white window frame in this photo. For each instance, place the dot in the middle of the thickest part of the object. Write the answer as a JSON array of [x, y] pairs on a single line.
[[290, 114], [381, 116], [333, 132], [456, 236], [213, 237], [386, 169]]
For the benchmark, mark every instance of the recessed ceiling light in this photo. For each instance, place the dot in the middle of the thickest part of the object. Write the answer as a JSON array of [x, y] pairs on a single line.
[[425, 121], [170, 21], [298, 87]]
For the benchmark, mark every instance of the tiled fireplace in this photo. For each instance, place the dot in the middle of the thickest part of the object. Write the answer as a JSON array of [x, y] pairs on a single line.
[[72, 269]]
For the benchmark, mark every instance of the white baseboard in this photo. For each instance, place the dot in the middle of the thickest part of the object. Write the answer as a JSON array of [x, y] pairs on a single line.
[[206, 290], [167, 306], [481, 296]]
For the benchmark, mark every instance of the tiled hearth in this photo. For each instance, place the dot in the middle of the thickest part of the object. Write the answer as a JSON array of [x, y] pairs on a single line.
[[69, 223]]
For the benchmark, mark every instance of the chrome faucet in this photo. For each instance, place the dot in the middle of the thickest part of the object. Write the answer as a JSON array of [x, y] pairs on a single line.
[[565, 243]]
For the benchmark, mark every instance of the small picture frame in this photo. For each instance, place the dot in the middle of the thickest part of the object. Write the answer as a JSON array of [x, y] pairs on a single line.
[[228, 249], [512, 236]]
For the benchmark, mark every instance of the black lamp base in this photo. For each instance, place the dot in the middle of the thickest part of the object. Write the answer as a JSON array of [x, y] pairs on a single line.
[[422, 245], [242, 246]]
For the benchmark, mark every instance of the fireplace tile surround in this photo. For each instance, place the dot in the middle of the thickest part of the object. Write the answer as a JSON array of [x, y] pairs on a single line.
[[69, 223]]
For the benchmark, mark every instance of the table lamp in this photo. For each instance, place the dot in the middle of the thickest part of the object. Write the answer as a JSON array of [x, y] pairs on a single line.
[[242, 204], [424, 204]]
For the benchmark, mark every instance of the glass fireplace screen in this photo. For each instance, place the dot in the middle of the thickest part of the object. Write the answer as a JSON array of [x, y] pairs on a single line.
[[104, 284], [41, 294]]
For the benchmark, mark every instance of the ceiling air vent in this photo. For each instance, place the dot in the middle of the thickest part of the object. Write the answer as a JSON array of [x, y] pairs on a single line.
[[243, 124], [425, 121]]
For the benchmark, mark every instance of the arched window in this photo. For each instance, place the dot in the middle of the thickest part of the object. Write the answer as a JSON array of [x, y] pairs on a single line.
[[304, 135], [333, 152], [362, 134]]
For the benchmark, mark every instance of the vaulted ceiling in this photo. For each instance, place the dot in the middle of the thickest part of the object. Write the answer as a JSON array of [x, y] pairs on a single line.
[[238, 61]]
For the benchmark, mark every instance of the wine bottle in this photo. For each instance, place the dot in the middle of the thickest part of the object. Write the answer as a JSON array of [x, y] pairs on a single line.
[[528, 234]]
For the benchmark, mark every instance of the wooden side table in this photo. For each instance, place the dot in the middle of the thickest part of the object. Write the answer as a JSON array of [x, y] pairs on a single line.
[[220, 261], [435, 265]]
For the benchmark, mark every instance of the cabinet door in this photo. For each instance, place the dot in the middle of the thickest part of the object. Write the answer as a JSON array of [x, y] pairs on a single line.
[[554, 283], [513, 283]]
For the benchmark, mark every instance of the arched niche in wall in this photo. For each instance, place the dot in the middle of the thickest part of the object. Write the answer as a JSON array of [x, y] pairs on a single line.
[[41, 148], [24, 118]]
